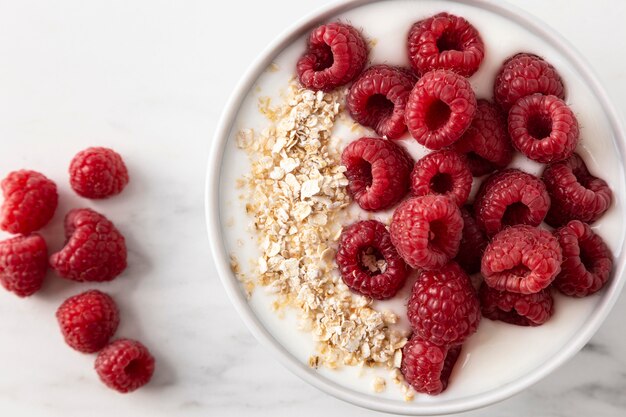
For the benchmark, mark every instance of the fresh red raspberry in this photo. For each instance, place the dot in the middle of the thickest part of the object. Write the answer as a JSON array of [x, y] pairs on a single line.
[[510, 197], [335, 55], [368, 261], [521, 259], [30, 200], [98, 173], [442, 172], [524, 74], [23, 264], [88, 320], [543, 128], [377, 99], [486, 142], [473, 242], [515, 308], [378, 172], [445, 41], [575, 193], [426, 231], [426, 366], [443, 307], [125, 365], [440, 109], [587, 261], [95, 249]]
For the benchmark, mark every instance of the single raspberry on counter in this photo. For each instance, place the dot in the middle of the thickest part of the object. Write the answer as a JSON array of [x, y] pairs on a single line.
[[576, 194], [515, 308], [445, 41], [524, 74], [587, 261], [473, 242], [426, 231], [510, 197], [23, 264], [543, 128], [95, 249], [440, 109], [378, 98], [368, 261], [30, 200], [125, 365], [98, 173], [88, 320], [426, 366], [521, 259], [443, 172], [486, 143], [336, 54], [378, 172]]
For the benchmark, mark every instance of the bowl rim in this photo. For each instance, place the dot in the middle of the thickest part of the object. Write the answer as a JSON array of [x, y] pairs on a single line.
[[239, 300]]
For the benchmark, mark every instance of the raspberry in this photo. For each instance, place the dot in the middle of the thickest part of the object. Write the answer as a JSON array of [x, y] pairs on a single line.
[[23, 264], [473, 242], [575, 193], [442, 172], [445, 41], [521, 259], [377, 99], [440, 109], [125, 365], [30, 200], [335, 55], [368, 261], [543, 128], [486, 142], [88, 320], [443, 307], [378, 172], [98, 173], [514, 308], [508, 198], [95, 249], [524, 74], [426, 366], [587, 261]]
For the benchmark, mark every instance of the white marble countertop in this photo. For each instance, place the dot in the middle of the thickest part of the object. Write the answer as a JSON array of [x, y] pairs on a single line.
[[150, 78]]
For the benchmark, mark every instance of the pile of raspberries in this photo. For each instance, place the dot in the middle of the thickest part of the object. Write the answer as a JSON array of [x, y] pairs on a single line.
[[435, 231], [94, 251]]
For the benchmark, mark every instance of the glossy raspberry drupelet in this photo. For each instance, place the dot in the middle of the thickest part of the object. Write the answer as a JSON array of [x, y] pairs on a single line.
[[486, 143], [426, 231], [515, 308], [335, 55], [543, 128], [378, 172], [524, 74], [443, 172], [88, 320], [443, 307], [30, 200], [98, 173], [23, 264], [510, 197], [576, 194], [378, 98], [440, 109], [587, 261], [125, 365], [445, 41], [521, 259], [473, 242], [95, 250], [368, 261], [426, 366]]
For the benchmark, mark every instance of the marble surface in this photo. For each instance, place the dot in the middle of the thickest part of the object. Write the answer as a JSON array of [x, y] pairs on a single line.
[[149, 78]]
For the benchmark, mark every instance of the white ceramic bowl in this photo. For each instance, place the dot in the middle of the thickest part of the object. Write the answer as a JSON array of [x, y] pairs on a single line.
[[219, 173]]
